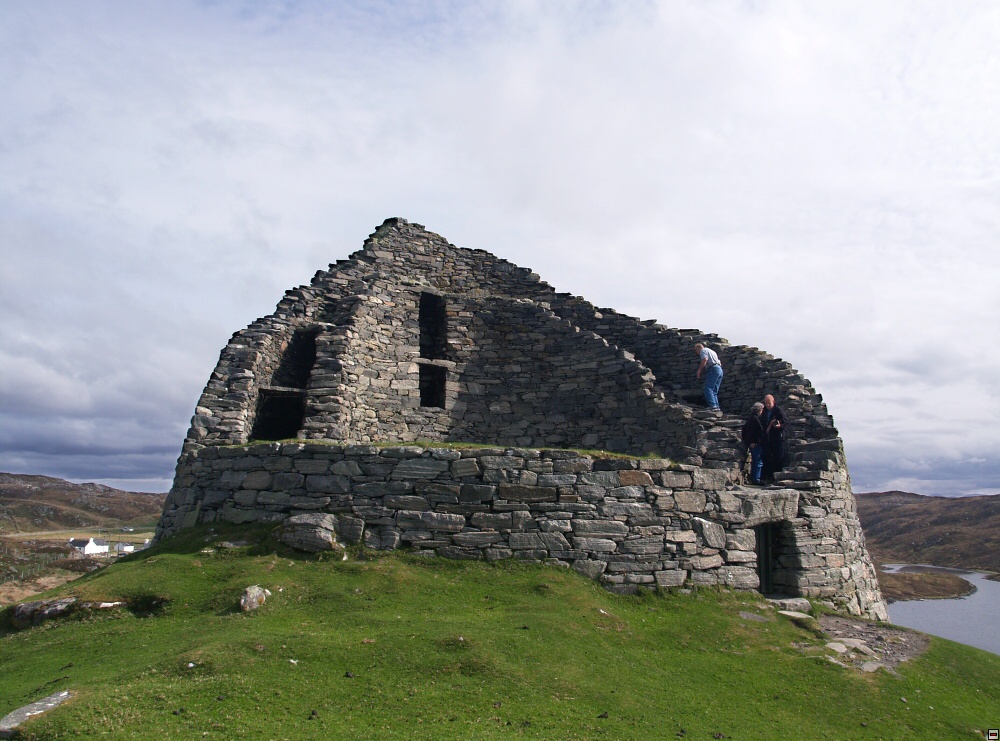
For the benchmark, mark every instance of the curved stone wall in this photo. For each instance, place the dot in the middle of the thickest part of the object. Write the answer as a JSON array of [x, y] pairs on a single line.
[[627, 522], [513, 363]]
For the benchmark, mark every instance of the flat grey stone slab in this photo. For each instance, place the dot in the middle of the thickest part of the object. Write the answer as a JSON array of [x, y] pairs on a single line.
[[10, 722], [798, 604], [795, 615]]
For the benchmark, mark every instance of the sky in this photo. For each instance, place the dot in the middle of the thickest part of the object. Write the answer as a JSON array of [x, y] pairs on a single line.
[[817, 179]]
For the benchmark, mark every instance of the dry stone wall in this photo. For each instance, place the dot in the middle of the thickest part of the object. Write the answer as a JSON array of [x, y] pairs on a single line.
[[627, 522], [512, 364], [518, 375]]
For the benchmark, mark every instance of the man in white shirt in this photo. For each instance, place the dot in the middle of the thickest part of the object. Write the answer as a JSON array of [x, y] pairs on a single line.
[[712, 368]]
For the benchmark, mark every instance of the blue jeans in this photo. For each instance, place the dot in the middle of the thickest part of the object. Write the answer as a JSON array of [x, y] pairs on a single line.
[[713, 380], [756, 462]]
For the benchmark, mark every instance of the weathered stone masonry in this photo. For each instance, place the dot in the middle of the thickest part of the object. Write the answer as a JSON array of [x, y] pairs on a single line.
[[414, 339]]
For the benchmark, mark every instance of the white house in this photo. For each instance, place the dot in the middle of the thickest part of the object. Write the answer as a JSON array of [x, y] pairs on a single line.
[[122, 548], [89, 547]]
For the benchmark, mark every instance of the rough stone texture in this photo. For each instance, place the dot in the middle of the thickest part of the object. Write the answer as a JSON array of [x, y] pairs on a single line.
[[10, 722], [796, 615], [622, 535], [309, 532], [770, 506], [873, 646], [505, 360], [27, 614], [713, 534], [253, 597], [796, 604], [351, 529]]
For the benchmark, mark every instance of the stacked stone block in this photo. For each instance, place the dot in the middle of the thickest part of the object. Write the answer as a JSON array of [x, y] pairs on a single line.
[[628, 522], [528, 368]]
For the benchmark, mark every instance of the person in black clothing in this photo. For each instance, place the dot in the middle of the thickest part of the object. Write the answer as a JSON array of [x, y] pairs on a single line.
[[775, 426], [753, 438]]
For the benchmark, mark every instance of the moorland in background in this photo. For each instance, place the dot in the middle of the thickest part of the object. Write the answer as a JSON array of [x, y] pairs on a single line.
[[960, 533], [37, 504], [38, 516]]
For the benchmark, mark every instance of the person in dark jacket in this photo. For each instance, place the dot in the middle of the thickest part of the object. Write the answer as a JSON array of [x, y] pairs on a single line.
[[753, 438], [775, 427]]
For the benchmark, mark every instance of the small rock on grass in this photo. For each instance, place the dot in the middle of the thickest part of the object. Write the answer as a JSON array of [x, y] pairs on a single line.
[[10, 722], [253, 597], [35, 613]]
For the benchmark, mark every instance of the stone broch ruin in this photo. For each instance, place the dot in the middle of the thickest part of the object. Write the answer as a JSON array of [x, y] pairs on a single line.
[[311, 409]]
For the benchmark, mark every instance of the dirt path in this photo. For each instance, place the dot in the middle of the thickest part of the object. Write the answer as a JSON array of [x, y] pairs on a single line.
[[869, 646]]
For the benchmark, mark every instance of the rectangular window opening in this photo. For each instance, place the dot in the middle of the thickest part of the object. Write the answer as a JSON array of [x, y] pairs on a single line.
[[279, 415], [432, 380], [297, 360], [433, 327]]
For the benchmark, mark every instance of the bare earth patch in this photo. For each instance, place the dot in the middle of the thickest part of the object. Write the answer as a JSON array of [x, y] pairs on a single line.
[[17, 591], [872, 645]]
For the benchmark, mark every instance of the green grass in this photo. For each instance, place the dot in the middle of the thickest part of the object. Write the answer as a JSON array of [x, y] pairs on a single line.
[[451, 649]]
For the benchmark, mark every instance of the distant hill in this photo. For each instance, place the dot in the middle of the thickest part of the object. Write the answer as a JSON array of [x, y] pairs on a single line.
[[901, 527], [38, 503]]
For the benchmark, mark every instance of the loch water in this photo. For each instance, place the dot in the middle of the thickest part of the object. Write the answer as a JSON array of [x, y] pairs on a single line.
[[973, 620]]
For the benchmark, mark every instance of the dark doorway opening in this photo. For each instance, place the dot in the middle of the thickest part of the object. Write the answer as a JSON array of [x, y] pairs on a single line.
[[767, 540], [433, 327], [432, 380], [297, 361], [279, 415]]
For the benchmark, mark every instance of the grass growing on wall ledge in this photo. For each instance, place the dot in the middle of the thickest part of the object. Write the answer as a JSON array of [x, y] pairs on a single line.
[[396, 646], [449, 445]]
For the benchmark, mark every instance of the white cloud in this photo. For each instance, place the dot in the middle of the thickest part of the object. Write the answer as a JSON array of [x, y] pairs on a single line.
[[818, 180]]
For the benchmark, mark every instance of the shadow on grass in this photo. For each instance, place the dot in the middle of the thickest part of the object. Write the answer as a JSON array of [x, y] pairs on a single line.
[[194, 539], [7, 621], [145, 604]]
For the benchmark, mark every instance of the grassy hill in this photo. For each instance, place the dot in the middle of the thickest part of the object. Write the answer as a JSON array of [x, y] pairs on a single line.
[[40, 503], [394, 646], [962, 533]]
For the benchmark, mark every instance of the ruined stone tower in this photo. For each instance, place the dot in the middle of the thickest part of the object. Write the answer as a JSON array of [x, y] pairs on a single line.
[[414, 340]]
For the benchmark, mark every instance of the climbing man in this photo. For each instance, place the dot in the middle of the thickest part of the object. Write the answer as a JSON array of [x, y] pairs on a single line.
[[713, 375]]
